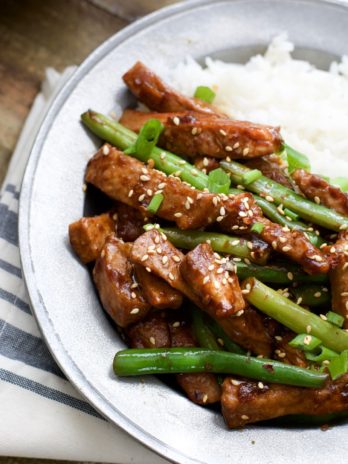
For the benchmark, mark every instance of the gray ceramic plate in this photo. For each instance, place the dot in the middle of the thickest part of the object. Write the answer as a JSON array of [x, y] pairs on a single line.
[[62, 295]]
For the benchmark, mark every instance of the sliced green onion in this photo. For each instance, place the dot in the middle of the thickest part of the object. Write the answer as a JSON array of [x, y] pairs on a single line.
[[335, 318], [218, 181], [204, 93], [155, 203], [323, 354], [251, 176], [339, 365], [296, 160], [341, 182], [257, 227], [305, 342], [147, 138], [291, 214]]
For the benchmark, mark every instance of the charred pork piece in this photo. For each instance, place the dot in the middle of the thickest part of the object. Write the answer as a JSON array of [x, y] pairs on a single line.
[[88, 234], [113, 277], [248, 330], [217, 288], [156, 291], [317, 189], [129, 222], [200, 388], [150, 90], [286, 353], [126, 179], [339, 275], [271, 166], [151, 332], [193, 134], [246, 402]]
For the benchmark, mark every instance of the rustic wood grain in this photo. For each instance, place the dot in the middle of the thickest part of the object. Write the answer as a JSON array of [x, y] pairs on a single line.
[[35, 34]]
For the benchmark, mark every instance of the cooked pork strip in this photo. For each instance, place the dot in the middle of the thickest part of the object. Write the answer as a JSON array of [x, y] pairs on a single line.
[[271, 166], [248, 330], [217, 288], [113, 277], [339, 276], [317, 189], [192, 135], [151, 332], [149, 89], [88, 234], [126, 179], [286, 353], [245, 402], [201, 388], [156, 291], [129, 222]]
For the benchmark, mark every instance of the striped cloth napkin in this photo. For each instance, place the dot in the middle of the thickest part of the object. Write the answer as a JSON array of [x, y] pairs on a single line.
[[42, 415]]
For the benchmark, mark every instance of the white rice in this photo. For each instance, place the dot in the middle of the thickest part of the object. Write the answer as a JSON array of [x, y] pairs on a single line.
[[310, 105]]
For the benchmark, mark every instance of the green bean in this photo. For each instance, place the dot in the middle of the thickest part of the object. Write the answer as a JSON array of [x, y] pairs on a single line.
[[182, 360], [202, 333], [294, 317], [237, 246], [306, 209], [311, 295]]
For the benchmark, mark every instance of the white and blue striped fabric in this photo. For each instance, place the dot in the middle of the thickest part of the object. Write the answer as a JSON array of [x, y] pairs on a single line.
[[42, 415]]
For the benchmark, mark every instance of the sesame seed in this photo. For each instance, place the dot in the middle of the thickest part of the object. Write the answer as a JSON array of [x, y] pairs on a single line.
[[236, 145], [317, 294], [176, 324], [345, 265], [149, 192], [178, 215], [84, 187], [130, 193], [317, 200], [260, 385], [269, 198], [222, 211], [282, 239], [206, 279], [286, 248], [332, 250], [215, 201], [250, 245], [242, 214], [235, 242], [235, 382], [344, 227], [281, 355], [220, 270], [308, 329], [171, 277], [220, 341], [219, 218], [211, 267], [274, 244], [144, 258], [245, 151], [162, 155], [194, 131], [152, 341], [222, 132], [106, 150], [187, 205], [290, 276], [205, 398], [144, 178], [216, 285], [240, 313], [205, 161], [245, 417], [148, 269], [161, 185], [228, 148], [317, 258], [278, 338], [165, 260], [135, 285], [299, 300], [176, 259], [307, 339], [343, 293], [323, 317], [157, 240], [176, 120], [135, 311], [141, 197], [346, 305]]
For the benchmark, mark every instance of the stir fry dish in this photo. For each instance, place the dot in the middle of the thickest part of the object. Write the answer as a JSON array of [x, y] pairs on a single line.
[[223, 259]]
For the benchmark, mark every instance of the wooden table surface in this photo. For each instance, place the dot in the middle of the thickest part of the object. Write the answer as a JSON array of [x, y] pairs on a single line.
[[35, 34]]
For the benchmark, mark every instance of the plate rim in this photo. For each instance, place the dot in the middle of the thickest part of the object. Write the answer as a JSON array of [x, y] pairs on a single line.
[[39, 310]]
